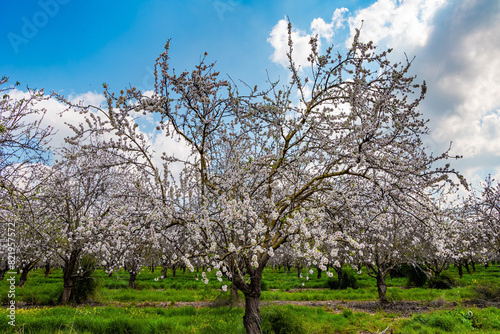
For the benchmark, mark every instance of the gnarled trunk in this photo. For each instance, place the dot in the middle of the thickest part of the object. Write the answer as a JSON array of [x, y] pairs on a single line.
[[381, 287], [131, 279], [252, 318], [24, 272], [164, 272], [68, 268]]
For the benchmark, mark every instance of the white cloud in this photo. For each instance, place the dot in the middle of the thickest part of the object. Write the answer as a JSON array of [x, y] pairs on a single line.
[[396, 23], [57, 116], [301, 49], [88, 98], [457, 49], [468, 82]]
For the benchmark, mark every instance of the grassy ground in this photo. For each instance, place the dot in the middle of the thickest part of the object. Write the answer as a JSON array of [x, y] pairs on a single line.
[[278, 286], [284, 319]]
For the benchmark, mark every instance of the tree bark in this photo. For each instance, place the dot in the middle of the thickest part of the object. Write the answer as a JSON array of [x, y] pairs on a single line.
[[131, 279], [338, 271], [24, 273], [252, 318], [164, 272], [299, 271], [319, 273], [381, 287], [460, 270], [47, 269], [68, 268], [467, 267]]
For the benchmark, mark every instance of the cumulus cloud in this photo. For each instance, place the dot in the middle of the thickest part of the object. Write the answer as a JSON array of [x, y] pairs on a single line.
[[457, 49], [462, 65], [301, 49], [58, 117], [404, 24]]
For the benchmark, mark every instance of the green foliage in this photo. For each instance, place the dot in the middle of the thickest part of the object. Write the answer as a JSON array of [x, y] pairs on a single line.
[[459, 320], [445, 280], [349, 280], [347, 313], [487, 291], [281, 320], [415, 275]]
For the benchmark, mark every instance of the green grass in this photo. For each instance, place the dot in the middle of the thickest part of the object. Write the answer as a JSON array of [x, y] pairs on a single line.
[[287, 319], [278, 286]]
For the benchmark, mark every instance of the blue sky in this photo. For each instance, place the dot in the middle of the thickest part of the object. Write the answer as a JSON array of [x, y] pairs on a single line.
[[72, 47], [75, 46]]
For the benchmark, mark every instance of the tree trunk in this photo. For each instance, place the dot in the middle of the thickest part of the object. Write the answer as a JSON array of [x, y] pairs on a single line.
[[473, 266], [174, 268], [68, 268], [183, 270], [131, 279], [460, 270], [319, 273], [340, 277], [288, 269], [299, 271], [467, 267], [164, 272], [47, 269], [252, 318], [24, 272], [381, 287]]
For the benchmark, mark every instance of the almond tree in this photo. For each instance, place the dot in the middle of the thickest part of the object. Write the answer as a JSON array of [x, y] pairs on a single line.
[[262, 166], [22, 138], [388, 220], [78, 194], [22, 141], [484, 216], [20, 209]]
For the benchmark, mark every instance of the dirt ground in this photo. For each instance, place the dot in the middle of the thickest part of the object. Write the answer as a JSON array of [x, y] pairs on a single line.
[[403, 308]]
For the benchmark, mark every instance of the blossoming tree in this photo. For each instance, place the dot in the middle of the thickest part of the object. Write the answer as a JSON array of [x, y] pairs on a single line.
[[262, 165]]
